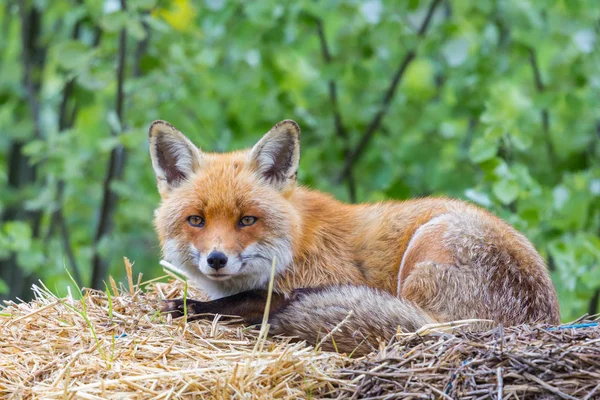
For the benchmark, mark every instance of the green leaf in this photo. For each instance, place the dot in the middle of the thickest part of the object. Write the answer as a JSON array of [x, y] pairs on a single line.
[[114, 21], [3, 287], [456, 51], [33, 259], [73, 55], [482, 150], [506, 190], [141, 4], [478, 197], [136, 29], [36, 149], [17, 235], [419, 81]]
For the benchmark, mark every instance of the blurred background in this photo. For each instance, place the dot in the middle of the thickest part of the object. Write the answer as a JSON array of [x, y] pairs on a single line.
[[493, 101]]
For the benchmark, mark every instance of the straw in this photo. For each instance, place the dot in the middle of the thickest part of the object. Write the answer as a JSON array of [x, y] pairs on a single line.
[[116, 344], [47, 350], [520, 362]]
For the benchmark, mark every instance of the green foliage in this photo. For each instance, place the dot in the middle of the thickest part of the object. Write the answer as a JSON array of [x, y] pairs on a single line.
[[498, 106]]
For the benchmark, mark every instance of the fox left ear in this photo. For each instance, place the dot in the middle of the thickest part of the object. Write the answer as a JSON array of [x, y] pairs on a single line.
[[277, 154], [174, 157]]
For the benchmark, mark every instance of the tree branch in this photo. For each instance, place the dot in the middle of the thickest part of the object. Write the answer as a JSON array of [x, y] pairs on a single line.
[[118, 156], [355, 155], [140, 51], [20, 171], [541, 88], [68, 249], [333, 98], [114, 172], [66, 120], [466, 143], [63, 118], [32, 56]]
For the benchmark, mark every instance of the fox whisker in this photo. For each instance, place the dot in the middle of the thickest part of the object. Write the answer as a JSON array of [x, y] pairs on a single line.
[[252, 256]]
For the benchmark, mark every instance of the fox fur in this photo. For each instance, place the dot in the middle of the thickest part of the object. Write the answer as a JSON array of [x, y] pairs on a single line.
[[395, 264]]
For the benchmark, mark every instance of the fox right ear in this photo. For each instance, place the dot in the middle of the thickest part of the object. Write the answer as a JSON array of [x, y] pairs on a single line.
[[174, 156], [277, 154]]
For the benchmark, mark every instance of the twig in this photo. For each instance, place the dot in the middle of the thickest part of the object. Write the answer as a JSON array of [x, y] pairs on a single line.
[[500, 382], [67, 247], [30, 25], [429, 328], [466, 143], [35, 312], [116, 166], [334, 330], [590, 394], [439, 392], [333, 98], [539, 84], [387, 98], [548, 387], [141, 49], [264, 326], [63, 118]]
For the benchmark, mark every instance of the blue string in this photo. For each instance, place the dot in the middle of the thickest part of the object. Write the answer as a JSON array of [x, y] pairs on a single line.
[[576, 326], [449, 386]]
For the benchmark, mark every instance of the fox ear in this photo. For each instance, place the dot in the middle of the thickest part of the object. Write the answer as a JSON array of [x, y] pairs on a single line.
[[277, 154], [174, 157]]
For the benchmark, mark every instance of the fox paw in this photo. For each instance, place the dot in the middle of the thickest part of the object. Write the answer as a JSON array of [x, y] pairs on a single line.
[[194, 309], [173, 307]]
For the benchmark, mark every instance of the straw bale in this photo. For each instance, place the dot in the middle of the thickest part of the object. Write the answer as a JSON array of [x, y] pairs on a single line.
[[55, 348], [115, 344], [520, 362]]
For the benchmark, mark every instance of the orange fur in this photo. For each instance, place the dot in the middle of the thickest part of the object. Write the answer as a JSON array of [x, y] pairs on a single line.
[[452, 259]]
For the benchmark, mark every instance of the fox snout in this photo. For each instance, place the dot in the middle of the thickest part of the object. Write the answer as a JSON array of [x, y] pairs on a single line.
[[216, 260], [220, 263]]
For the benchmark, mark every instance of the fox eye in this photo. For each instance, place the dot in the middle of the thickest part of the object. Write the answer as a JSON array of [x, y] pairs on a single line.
[[247, 221], [196, 221]]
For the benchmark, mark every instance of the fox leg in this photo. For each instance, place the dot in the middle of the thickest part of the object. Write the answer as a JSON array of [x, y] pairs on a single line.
[[450, 292], [455, 292], [249, 305], [464, 265]]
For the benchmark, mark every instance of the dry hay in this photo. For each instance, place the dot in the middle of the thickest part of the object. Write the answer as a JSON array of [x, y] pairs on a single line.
[[520, 362], [114, 344], [54, 348]]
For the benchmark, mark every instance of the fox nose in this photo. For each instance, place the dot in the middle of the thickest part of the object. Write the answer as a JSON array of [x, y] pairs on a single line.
[[216, 259]]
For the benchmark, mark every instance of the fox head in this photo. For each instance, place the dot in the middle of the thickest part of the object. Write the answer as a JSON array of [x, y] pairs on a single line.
[[224, 218]]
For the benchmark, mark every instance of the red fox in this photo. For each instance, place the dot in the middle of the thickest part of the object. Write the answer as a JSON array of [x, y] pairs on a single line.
[[224, 218]]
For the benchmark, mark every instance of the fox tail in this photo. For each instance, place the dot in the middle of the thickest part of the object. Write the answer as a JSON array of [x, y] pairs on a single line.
[[349, 319]]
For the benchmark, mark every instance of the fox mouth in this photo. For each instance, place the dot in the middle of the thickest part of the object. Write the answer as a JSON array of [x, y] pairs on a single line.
[[219, 277]]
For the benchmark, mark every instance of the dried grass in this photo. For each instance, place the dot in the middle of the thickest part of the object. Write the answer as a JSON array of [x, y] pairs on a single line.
[[114, 344], [66, 348], [520, 362]]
